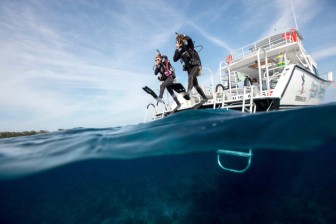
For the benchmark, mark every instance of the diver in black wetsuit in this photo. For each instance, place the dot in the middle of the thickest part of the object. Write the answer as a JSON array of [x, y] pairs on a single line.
[[192, 62], [167, 75]]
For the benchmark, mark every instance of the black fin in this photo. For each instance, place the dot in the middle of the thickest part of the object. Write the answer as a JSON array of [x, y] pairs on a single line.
[[150, 91]]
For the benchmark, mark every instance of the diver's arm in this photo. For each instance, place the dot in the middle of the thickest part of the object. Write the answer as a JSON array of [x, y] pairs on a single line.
[[157, 69], [177, 55], [189, 41]]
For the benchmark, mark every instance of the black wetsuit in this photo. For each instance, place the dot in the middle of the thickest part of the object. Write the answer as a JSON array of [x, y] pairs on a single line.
[[247, 81], [168, 79], [192, 64]]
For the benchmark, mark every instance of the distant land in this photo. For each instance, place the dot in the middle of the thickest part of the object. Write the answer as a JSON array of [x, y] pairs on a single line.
[[24, 133]]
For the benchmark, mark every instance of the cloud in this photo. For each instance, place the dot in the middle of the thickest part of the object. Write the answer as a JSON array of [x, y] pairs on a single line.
[[54, 71], [325, 53], [78, 63], [276, 16], [81, 66], [211, 38]]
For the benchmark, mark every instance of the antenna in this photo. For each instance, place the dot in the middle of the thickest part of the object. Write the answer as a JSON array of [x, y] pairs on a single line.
[[297, 28]]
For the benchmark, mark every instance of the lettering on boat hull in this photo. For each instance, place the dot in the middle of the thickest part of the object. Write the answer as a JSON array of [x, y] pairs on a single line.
[[300, 98]]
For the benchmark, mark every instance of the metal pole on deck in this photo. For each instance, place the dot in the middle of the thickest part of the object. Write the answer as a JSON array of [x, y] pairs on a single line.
[[297, 28]]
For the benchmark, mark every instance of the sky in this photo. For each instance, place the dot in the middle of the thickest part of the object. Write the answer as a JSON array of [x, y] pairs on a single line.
[[82, 63]]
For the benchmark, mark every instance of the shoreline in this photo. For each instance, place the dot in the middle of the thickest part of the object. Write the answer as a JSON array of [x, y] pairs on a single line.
[[8, 134]]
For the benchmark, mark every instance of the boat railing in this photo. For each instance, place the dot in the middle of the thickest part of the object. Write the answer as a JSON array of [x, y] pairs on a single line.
[[327, 76], [159, 111], [266, 74], [228, 79], [275, 70], [226, 75], [269, 43], [243, 99], [210, 92], [147, 109], [251, 106]]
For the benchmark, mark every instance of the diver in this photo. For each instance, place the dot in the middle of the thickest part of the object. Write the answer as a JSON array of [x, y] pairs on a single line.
[[255, 82], [167, 75], [192, 63], [247, 81]]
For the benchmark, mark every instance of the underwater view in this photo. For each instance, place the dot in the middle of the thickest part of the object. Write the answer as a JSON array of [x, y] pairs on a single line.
[[166, 171]]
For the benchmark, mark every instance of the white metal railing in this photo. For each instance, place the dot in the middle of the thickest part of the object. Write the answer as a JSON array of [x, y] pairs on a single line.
[[327, 76], [228, 74], [157, 113], [153, 115], [266, 67], [248, 97], [244, 100], [271, 42], [227, 77], [212, 87]]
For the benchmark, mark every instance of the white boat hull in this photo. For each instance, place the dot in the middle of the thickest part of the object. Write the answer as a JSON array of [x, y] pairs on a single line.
[[311, 90]]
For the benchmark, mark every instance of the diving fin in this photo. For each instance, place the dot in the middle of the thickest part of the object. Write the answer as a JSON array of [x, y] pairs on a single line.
[[150, 92], [179, 88]]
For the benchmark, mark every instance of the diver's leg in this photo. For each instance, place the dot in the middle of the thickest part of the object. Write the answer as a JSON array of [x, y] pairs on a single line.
[[200, 91], [162, 88], [168, 82], [171, 92], [191, 78], [195, 83]]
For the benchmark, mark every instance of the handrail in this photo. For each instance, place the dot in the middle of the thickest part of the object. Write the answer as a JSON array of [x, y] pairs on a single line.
[[150, 104], [244, 98], [227, 67], [309, 64], [220, 71], [215, 97], [164, 108], [259, 69], [251, 98], [234, 153], [212, 83]]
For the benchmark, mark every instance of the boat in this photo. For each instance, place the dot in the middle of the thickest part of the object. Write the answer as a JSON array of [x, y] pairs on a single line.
[[274, 73], [285, 77]]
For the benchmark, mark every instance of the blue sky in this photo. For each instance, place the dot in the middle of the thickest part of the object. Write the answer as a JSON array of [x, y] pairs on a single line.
[[77, 63]]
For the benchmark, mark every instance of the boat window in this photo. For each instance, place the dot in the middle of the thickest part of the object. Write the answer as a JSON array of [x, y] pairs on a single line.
[[315, 71], [273, 83], [241, 76]]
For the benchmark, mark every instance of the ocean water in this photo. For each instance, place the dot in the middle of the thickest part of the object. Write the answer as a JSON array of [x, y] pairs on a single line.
[[166, 171]]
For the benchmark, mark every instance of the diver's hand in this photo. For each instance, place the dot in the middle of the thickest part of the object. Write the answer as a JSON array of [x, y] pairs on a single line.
[[178, 45]]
